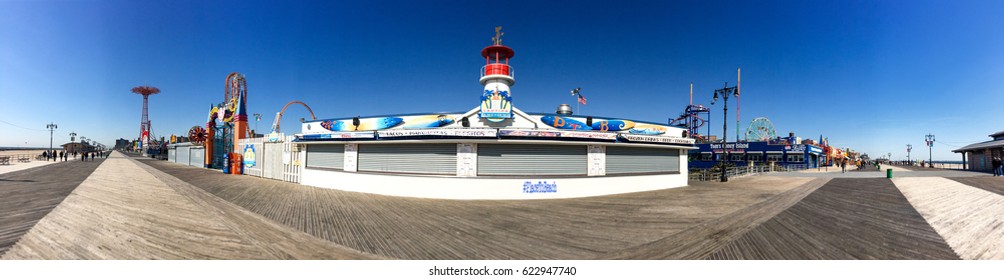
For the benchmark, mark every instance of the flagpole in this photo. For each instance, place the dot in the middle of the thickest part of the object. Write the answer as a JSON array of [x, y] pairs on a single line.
[[575, 93]]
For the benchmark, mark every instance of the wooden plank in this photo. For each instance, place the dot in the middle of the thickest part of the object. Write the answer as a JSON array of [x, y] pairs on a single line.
[[125, 212], [413, 228], [847, 218], [971, 219], [26, 196]]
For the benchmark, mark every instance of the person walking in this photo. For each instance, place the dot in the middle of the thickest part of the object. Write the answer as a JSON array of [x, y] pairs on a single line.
[[996, 163], [1000, 166], [843, 166]]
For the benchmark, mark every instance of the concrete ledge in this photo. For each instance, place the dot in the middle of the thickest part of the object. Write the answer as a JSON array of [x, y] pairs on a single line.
[[488, 188]]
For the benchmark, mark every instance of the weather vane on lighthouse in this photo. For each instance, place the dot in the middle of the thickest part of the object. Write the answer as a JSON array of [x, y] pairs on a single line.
[[498, 36]]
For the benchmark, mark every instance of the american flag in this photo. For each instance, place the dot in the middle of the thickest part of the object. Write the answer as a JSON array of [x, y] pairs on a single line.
[[582, 99]]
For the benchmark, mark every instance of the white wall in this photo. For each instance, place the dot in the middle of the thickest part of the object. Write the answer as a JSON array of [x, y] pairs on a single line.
[[486, 188]]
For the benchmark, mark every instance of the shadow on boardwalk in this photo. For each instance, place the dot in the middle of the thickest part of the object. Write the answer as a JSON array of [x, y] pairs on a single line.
[[844, 219], [26, 196]]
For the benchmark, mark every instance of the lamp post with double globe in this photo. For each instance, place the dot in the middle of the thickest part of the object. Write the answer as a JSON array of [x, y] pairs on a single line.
[[725, 92]]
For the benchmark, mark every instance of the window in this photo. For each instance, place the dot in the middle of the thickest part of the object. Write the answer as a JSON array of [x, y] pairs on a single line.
[[736, 157], [796, 158], [774, 157], [754, 157]]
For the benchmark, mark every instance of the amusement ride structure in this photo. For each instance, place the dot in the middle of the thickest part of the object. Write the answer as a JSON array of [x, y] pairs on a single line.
[[760, 129], [278, 116], [227, 122], [693, 118], [144, 124]]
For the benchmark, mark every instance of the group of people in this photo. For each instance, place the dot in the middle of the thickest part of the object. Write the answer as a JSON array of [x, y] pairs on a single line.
[[54, 156], [63, 155], [998, 166]]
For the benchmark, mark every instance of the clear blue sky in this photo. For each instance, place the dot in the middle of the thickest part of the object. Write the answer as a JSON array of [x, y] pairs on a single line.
[[870, 75]]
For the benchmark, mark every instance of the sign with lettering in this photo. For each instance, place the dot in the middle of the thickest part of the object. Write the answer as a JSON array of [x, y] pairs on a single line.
[[496, 104], [475, 132], [589, 135], [815, 150], [557, 134], [528, 133], [343, 135], [800, 148], [667, 140], [540, 187]]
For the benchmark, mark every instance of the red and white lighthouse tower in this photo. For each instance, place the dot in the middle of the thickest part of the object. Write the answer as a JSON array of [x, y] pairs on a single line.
[[497, 77]]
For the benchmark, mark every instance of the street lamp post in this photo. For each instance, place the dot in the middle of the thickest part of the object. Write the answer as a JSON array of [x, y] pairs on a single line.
[[257, 117], [725, 92], [52, 127], [929, 138], [908, 149]]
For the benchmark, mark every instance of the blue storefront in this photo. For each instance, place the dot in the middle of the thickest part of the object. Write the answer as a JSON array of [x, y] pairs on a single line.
[[756, 153]]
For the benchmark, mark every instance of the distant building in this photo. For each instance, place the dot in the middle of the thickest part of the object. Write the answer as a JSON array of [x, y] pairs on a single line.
[[75, 147], [122, 144], [977, 156], [778, 151]]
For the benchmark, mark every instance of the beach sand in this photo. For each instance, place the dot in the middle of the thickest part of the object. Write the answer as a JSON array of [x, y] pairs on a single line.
[[16, 165]]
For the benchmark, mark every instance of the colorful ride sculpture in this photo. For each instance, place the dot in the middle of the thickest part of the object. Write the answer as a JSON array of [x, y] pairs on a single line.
[[231, 113]]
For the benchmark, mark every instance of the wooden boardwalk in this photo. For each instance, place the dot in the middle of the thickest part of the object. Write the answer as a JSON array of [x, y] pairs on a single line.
[[122, 211], [28, 195], [412, 228], [970, 219], [847, 218], [699, 241], [987, 183], [135, 208]]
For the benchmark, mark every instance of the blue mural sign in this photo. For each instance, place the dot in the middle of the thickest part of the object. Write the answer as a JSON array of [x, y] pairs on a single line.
[[540, 187], [496, 105], [249, 155]]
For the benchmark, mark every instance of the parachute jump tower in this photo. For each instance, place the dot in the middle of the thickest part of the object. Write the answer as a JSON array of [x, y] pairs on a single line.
[[144, 123]]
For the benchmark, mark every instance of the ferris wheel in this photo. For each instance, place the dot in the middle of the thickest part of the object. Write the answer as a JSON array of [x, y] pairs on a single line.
[[761, 129]]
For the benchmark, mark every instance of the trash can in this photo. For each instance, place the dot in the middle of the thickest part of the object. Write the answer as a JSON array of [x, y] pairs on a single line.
[[226, 164], [236, 167], [888, 173]]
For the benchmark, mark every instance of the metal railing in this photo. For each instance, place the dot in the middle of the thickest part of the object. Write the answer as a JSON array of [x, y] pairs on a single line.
[[714, 174], [504, 68]]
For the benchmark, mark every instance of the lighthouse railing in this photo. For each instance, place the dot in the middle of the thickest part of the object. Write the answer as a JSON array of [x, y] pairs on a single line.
[[498, 69]]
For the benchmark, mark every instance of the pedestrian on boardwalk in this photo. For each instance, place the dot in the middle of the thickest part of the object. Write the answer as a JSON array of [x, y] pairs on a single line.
[[60, 155], [996, 163], [843, 166], [1000, 166], [92, 156]]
